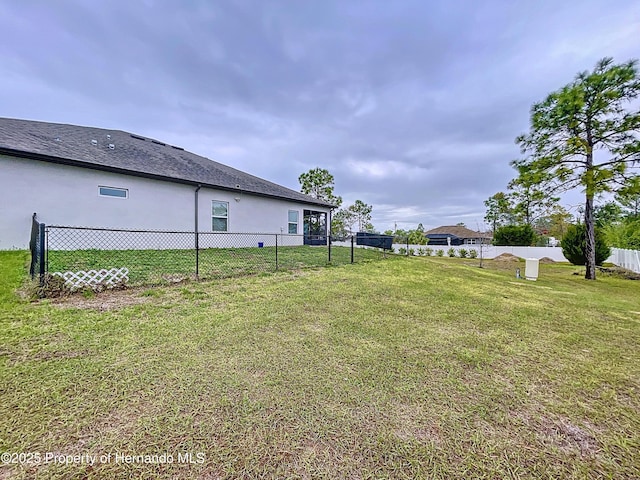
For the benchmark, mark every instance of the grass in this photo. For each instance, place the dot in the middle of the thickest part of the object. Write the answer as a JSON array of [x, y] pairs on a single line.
[[159, 266], [402, 368]]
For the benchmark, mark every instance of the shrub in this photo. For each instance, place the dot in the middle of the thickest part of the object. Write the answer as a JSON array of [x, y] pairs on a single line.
[[451, 252], [402, 251], [574, 243], [420, 252], [411, 252], [428, 251], [473, 253], [625, 234], [514, 235], [541, 241], [462, 252], [440, 252]]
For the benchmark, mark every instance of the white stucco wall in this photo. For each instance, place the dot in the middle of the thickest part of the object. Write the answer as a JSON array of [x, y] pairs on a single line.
[[66, 195]]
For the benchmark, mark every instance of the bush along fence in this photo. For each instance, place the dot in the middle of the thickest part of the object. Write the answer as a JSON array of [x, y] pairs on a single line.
[[79, 257], [628, 259]]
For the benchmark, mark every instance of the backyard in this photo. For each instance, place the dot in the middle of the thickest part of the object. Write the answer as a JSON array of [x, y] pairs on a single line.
[[151, 267], [394, 368]]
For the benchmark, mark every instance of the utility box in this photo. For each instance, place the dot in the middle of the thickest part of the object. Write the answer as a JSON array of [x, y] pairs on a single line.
[[531, 268]]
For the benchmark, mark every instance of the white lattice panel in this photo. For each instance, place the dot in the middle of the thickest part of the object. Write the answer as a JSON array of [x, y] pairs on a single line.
[[93, 278]]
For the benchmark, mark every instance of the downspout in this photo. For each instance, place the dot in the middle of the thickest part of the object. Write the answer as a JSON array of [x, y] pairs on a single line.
[[196, 232]]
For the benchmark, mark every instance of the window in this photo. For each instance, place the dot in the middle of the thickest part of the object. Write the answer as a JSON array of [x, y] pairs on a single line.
[[219, 216], [293, 221], [113, 192], [470, 241]]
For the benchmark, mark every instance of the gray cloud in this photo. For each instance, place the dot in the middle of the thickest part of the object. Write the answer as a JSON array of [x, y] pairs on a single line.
[[413, 105]]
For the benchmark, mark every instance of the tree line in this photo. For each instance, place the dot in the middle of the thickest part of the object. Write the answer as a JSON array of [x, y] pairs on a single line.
[[583, 136]]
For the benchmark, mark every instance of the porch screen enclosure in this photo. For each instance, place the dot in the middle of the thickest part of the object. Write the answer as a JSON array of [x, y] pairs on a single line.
[[315, 227]]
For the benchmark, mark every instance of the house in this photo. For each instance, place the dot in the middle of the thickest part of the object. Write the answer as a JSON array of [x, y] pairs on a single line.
[[456, 235], [94, 177]]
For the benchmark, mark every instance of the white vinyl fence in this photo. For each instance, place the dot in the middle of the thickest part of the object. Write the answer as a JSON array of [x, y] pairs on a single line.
[[629, 259]]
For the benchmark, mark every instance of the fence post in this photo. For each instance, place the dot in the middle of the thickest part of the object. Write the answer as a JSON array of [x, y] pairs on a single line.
[[42, 253], [276, 251], [351, 248], [33, 248], [328, 232], [197, 254], [407, 246]]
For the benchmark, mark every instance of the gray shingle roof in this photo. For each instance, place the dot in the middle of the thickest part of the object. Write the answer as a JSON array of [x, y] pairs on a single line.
[[123, 152]]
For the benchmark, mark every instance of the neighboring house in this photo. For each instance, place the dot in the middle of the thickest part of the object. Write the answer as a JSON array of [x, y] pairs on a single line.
[[94, 177], [456, 235]]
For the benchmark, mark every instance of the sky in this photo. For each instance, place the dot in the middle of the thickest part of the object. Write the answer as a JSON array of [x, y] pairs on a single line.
[[413, 106]]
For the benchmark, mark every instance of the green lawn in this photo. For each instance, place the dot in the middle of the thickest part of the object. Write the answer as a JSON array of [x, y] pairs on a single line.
[[151, 267], [400, 368]]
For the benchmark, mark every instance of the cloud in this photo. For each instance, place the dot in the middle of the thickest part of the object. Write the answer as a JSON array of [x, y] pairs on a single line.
[[385, 169], [413, 105]]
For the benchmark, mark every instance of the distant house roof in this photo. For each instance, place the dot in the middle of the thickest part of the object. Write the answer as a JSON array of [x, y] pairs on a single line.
[[457, 231], [122, 152]]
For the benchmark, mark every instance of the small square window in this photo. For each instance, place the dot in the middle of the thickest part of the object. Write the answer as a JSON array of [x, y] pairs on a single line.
[[113, 192]]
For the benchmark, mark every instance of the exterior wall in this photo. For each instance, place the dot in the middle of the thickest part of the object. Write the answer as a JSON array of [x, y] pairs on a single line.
[[247, 213], [66, 195]]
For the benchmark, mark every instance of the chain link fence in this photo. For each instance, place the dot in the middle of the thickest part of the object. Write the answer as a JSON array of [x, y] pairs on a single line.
[[93, 256]]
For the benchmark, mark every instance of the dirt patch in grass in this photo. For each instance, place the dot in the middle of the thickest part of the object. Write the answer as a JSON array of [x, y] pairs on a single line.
[[547, 260], [8, 472], [569, 437], [506, 258], [60, 355], [620, 273], [412, 423], [104, 301], [563, 434], [32, 350], [117, 424]]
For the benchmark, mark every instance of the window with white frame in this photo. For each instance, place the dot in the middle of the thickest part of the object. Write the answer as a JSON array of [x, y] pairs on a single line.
[[219, 216], [113, 192], [293, 221], [470, 241]]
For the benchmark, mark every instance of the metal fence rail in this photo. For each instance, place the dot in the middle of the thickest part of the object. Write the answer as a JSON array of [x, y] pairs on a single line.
[[149, 257]]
